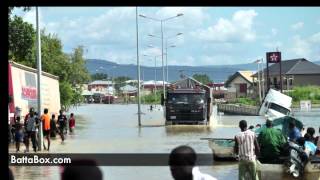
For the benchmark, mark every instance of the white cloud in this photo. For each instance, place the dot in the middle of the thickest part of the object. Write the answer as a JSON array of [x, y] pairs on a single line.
[[315, 38], [306, 47], [274, 31], [273, 45], [297, 26], [192, 16], [238, 29]]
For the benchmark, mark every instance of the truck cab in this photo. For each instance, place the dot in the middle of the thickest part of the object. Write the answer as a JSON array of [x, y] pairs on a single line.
[[275, 105], [186, 106], [187, 102]]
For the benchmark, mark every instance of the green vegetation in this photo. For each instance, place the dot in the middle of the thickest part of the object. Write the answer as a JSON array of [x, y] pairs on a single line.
[[246, 101], [69, 67], [99, 76], [151, 98], [305, 93], [203, 78]]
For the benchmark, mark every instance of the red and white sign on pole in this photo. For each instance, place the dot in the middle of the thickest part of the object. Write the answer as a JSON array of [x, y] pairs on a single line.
[[274, 57]]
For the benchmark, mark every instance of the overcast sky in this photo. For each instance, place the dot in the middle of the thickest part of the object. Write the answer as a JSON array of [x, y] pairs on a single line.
[[211, 35]]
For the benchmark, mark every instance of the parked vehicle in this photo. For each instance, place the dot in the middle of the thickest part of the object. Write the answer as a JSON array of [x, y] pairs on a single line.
[[108, 99], [97, 97]]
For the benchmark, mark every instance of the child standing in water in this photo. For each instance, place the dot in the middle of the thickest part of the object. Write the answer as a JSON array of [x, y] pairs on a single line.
[[72, 123], [18, 133]]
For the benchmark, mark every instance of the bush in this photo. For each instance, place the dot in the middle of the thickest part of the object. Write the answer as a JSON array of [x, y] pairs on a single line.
[[246, 101], [305, 93], [151, 98]]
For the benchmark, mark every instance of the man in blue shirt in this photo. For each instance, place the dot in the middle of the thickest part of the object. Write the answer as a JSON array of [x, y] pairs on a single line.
[[310, 148], [294, 132]]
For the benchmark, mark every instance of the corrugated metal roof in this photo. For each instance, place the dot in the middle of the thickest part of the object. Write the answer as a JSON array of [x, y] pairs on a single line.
[[292, 67], [99, 82], [152, 82], [247, 75]]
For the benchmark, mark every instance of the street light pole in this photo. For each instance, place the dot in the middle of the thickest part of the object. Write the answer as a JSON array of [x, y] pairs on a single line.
[[138, 71], [163, 78], [263, 87], [166, 53], [167, 59], [162, 21], [39, 75], [259, 82]]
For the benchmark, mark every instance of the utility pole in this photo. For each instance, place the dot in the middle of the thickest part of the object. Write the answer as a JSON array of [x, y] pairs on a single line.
[[155, 78], [259, 81], [263, 79], [138, 70], [39, 75], [163, 78]]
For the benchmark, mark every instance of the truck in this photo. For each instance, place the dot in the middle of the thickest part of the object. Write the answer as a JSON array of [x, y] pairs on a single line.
[[187, 102], [275, 105], [23, 90]]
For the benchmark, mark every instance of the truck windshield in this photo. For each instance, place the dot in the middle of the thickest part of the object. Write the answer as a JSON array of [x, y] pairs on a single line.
[[181, 98], [279, 108]]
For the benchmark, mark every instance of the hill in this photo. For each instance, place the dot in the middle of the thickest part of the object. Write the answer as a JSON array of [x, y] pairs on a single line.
[[218, 73]]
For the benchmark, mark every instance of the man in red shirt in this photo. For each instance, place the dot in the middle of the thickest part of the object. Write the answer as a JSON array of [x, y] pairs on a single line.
[[72, 123]]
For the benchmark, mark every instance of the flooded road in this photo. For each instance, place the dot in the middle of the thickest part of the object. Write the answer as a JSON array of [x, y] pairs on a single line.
[[107, 128]]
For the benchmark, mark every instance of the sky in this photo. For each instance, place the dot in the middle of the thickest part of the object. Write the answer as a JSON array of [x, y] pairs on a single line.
[[210, 35]]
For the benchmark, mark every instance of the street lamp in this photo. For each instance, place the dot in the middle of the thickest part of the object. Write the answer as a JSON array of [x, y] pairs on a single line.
[[111, 78], [155, 72], [138, 69], [162, 21], [167, 38]]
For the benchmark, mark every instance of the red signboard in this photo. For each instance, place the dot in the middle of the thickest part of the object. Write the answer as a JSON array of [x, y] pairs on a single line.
[[29, 93], [273, 57]]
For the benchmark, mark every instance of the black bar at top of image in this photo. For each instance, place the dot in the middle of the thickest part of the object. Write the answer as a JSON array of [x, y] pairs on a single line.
[[122, 159]]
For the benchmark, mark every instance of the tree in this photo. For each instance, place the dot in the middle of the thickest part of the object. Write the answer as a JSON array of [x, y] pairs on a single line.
[[99, 76], [78, 73], [69, 67], [21, 37], [66, 94], [203, 78]]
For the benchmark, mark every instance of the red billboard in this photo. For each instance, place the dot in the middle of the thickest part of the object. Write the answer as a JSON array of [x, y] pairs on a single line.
[[273, 57]]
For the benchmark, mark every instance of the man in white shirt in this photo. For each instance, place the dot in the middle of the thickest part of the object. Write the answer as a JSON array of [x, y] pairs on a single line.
[[246, 146], [182, 165]]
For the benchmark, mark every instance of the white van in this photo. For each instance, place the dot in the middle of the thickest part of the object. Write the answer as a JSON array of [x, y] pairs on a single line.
[[275, 105]]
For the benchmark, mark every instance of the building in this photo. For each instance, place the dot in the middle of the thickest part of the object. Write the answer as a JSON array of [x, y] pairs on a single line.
[[129, 90], [218, 89], [151, 85], [240, 83], [295, 72], [101, 86]]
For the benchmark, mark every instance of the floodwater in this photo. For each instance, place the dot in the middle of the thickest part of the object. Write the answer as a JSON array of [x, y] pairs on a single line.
[[103, 128]]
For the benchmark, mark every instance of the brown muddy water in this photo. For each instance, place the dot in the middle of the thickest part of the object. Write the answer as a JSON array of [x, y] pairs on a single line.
[[103, 128]]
